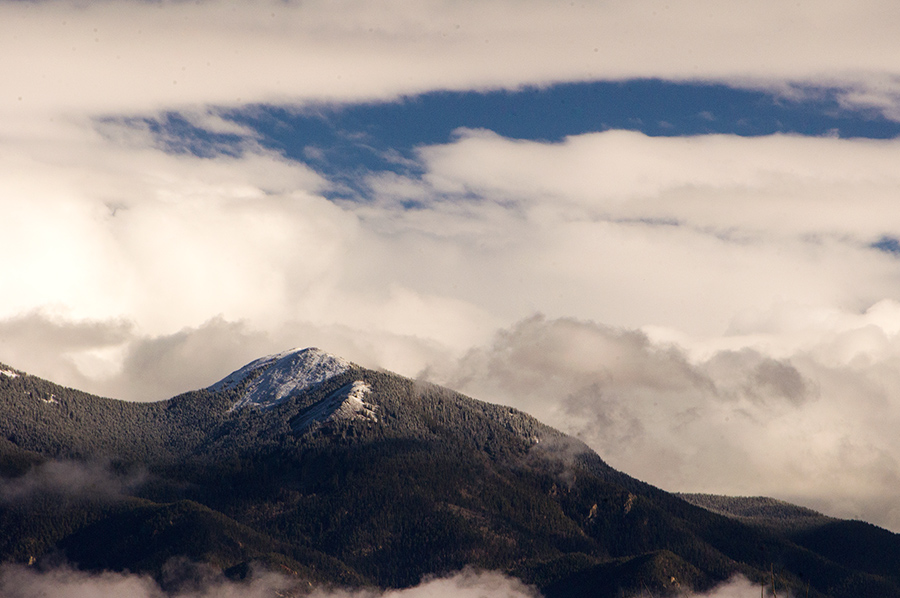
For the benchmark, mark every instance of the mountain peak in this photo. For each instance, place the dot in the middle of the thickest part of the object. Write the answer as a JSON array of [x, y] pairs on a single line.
[[273, 379]]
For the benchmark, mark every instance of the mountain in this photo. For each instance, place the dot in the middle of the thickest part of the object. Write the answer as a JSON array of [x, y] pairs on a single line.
[[761, 511], [309, 465]]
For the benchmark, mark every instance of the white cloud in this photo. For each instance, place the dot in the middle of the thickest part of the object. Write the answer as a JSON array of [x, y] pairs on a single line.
[[128, 56], [738, 587], [17, 581], [465, 584], [816, 426], [66, 352], [22, 582], [111, 358], [628, 229], [762, 187], [140, 274], [109, 228]]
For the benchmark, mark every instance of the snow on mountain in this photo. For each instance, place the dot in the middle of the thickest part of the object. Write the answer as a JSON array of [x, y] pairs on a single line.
[[276, 378], [346, 403], [9, 373]]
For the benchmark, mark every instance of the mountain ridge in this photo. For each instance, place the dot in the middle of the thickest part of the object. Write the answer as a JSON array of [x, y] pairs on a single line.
[[364, 478], [275, 378]]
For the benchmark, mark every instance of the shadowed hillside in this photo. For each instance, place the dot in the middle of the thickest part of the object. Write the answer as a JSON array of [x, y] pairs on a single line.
[[334, 474]]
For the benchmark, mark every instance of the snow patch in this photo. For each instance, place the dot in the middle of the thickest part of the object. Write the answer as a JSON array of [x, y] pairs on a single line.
[[276, 378], [51, 401], [353, 406], [346, 403], [9, 373]]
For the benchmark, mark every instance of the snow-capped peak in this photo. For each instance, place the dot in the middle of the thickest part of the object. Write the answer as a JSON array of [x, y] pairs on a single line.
[[276, 378]]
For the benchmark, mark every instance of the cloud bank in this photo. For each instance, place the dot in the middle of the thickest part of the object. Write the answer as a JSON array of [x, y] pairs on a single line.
[[127, 56], [593, 227], [22, 582], [813, 427]]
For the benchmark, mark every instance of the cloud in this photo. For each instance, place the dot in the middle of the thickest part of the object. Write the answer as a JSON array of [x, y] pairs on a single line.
[[198, 581], [739, 587], [110, 358], [17, 581], [157, 368], [600, 223], [70, 478], [124, 56], [717, 318], [65, 351], [109, 239], [465, 584], [815, 426], [21, 582], [629, 175], [631, 399], [108, 225], [113, 227]]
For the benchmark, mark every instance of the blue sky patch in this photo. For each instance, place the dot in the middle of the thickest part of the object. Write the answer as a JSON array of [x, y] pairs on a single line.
[[345, 142], [888, 245]]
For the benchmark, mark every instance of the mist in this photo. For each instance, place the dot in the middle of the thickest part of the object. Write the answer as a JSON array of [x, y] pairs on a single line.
[[17, 581], [91, 479]]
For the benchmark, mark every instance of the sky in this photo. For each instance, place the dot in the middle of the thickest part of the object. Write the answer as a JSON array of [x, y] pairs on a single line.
[[668, 228]]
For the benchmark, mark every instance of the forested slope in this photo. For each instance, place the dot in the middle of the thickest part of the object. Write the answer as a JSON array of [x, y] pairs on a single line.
[[368, 478]]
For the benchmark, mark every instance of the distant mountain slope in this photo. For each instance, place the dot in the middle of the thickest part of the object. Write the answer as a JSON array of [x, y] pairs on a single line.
[[771, 513], [337, 474]]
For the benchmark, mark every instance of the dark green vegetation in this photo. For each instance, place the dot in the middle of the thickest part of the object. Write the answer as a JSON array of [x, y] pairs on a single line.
[[776, 515], [437, 483]]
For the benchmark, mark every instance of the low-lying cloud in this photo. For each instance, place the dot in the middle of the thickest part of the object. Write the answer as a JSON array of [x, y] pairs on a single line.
[[739, 587], [17, 581], [91, 479]]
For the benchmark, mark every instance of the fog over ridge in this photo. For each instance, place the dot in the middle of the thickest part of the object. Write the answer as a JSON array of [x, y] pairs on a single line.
[[17, 581], [94, 479]]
